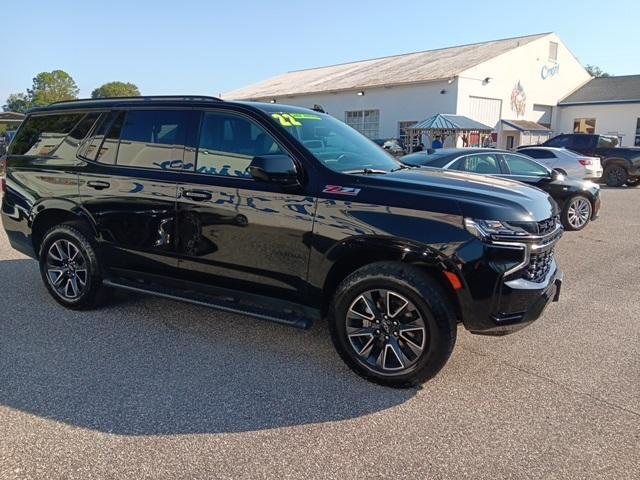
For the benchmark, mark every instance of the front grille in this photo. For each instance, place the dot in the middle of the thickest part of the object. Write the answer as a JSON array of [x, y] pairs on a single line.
[[538, 228], [539, 265]]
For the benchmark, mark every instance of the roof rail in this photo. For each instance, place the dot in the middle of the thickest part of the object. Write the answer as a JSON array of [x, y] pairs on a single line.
[[148, 98]]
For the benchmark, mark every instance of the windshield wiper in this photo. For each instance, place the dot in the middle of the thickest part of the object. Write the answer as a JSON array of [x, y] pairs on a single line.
[[401, 167], [365, 171]]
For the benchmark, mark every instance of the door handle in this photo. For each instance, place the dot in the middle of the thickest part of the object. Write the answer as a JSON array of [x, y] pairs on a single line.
[[197, 195], [98, 185]]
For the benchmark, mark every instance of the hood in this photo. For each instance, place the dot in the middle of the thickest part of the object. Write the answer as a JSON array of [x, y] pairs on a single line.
[[477, 196]]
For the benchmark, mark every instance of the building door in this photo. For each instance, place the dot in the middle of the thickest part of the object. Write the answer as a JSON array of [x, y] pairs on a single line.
[[485, 110], [510, 142]]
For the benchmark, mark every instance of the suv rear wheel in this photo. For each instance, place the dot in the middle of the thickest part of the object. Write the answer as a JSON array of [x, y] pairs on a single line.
[[69, 267], [615, 175], [392, 324]]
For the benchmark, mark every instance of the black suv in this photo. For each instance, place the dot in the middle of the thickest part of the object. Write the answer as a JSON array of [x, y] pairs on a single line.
[[281, 213]]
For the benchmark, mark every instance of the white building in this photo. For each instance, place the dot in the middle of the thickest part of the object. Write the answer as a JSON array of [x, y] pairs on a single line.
[[519, 80], [605, 105]]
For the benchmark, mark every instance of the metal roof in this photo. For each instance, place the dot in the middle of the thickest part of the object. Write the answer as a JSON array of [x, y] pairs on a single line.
[[444, 121], [625, 89], [526, 126], [11, 118], [418, 67]]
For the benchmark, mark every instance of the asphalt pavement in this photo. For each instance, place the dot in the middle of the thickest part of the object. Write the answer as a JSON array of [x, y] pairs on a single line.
[[150, 388]]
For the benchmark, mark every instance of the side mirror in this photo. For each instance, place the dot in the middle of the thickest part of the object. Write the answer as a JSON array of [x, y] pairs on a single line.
[[279, 169], [556, 175]]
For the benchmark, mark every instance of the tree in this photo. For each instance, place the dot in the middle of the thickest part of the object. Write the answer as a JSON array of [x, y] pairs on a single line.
[[116, 89], [596, 71], [49, 87], [17, 102]]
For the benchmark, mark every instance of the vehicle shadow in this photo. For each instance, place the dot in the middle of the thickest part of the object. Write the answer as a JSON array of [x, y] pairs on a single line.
[[146, 366]]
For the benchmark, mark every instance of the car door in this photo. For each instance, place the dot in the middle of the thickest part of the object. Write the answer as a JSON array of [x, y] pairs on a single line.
[[129, 186], [235, 231], [486, 163]]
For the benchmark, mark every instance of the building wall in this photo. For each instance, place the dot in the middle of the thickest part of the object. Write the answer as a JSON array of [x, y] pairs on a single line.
[[611, 119], [396, 104], [528, 67]]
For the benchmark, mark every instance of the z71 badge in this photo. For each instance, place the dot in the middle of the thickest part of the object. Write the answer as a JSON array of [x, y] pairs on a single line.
[[338, 190]]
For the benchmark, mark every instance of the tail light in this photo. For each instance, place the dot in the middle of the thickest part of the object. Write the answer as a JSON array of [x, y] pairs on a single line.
[[585, 161]]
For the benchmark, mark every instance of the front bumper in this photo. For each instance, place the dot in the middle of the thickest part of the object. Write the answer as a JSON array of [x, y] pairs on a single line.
[[518, 304], [508, 284]]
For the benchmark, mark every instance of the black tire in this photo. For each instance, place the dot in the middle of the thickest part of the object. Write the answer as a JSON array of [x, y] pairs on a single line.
[[561, 171], [427, 299], [633, 182], [615, 175], [576, 213], [89, 285]]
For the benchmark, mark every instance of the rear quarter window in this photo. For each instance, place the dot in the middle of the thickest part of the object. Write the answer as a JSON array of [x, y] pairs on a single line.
[[43, 134]]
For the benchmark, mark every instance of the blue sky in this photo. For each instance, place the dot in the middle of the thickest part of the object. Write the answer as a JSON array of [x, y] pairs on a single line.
[[208, 47]]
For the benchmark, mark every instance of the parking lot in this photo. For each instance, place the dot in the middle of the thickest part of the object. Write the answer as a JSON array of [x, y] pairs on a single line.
[[149, 388]]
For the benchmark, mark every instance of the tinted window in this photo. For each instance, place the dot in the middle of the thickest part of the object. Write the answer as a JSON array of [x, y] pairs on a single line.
[[68, 147], [559, 141], [582, 141], [109, 148], [522, 166], [485, 163], [607, 142], [228, 143], [41, 135], [538, 153], [154, 139]]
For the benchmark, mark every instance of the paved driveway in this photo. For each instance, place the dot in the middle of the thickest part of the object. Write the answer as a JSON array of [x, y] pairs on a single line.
[[148, 388]]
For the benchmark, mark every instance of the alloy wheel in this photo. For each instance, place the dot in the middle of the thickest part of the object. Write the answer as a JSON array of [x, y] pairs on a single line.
[[579, 213], [66, 269], [386, 331]]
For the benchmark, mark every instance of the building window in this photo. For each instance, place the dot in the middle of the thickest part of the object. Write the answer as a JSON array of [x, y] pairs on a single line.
[[553, 52], [367, 122], [637, 141], [403, 134], [584, 125]]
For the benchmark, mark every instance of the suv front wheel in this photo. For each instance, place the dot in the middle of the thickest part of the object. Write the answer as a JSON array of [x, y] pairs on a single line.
[[392, 324], [69, 267]]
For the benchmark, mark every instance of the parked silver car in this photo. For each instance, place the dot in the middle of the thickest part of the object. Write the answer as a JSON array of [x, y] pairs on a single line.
[[565, 161]]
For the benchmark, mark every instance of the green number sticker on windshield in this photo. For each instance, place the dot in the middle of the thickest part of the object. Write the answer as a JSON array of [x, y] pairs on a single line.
[[286, 120]]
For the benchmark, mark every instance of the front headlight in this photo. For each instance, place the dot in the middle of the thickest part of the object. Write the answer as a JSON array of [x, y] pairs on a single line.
[[485, 229]]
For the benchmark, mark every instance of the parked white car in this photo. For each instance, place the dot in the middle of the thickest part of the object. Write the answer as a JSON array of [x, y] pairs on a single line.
[[565, 161]]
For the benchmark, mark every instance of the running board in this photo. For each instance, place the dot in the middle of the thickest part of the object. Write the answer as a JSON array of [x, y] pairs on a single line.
[[264, 308]]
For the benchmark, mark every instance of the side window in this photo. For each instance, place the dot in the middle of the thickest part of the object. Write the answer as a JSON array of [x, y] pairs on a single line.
[[608, 142], [90, 149], [69, 145], [480, 163], [153, 139], [523, 166], [43, 134], [109, 148], [582, 142], [537, 153], [559, 141], [228, 144]]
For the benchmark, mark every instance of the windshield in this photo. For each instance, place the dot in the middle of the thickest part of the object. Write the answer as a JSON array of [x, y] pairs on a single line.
[[336, 145], [426, 159]]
